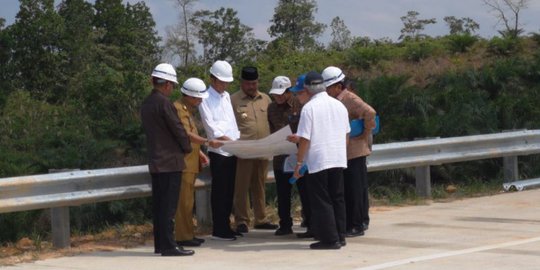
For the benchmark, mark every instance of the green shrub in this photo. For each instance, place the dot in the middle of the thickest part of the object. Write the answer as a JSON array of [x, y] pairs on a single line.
[[416, 50], [403, 109], [96, 216], [366, 57], [460, 43], [536, 38], [37, 136], [23, 224], [504, 46], [460, 108]]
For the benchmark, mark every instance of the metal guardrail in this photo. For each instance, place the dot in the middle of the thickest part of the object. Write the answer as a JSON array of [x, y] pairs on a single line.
[[456, 149], [73, 188], [61, 190]]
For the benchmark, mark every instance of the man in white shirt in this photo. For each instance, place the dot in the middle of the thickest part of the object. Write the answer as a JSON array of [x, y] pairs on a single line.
[[219, 123], [323, 134]]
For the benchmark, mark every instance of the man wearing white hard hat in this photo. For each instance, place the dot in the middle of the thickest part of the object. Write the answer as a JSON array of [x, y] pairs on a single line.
[[283, 111], [219, 123], [355, 176], [193, 92], [167, 143]]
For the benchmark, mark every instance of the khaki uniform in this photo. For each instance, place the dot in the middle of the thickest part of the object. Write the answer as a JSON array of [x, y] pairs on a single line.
[[358, 109], [252, 119], [184, 229]]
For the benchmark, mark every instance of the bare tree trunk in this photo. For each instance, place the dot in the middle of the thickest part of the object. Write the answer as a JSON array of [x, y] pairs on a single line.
[[507, 11], [186, 54]]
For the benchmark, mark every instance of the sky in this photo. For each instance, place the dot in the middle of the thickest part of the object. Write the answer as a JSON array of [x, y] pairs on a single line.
[[373, 18]]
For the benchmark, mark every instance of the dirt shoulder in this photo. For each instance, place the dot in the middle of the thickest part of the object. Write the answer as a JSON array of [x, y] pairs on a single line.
[[28, 250]]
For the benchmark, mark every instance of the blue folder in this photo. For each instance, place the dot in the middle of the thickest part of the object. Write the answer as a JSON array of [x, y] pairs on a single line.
[[357, 127]]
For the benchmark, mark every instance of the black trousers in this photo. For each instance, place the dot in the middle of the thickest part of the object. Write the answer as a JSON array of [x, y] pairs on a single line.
[[327, 201], [223, 171], [165, 193], [356, 193], [284, 198]]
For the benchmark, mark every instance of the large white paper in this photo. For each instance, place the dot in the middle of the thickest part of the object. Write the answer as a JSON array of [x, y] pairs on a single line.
[[272, 145]]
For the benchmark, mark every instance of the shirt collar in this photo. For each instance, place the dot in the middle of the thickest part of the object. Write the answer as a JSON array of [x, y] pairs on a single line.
[[184, 106], [244, 96], [215, 93], [319, 95]]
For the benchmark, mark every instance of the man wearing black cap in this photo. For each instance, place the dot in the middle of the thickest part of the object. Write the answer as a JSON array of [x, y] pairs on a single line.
[[323, 133], [250, 108]]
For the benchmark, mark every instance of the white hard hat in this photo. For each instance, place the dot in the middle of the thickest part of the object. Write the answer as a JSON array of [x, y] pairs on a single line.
[[332, 75], [194, 87], [165, 71], [279, 85], [222, 70]]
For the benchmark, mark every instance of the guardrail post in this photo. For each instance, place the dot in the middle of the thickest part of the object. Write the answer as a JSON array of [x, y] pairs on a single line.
[[423, 181], [510, 166], [202, 207], [423, 177], [60, 227], [60, 221]]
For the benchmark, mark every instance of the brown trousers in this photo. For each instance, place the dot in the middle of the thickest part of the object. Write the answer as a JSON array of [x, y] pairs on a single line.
[[251, 175], [183, 227]]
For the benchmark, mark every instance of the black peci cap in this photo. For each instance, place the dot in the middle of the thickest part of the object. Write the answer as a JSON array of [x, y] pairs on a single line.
[[250, 73]]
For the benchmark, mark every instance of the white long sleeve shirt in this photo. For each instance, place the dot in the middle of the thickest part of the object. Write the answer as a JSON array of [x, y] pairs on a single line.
[[218, 119]]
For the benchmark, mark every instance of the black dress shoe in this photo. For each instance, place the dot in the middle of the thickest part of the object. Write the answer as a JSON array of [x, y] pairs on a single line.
[[157, 251], [177, 252], [242, 228], [283, 231], [365, 226], [200, 240], [266, 226], [343, 242], [307, 234], [354, 232], [236, 234], [321, 245], [224, 237], [189, 243]]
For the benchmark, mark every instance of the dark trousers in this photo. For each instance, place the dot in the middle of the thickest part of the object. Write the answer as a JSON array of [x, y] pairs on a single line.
[[223, 171], [284, 198], [326, 197], [165, 193], [356, 193], [304, 199]]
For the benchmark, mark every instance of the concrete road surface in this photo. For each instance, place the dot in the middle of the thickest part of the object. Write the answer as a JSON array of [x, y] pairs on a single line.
[[495, 232]]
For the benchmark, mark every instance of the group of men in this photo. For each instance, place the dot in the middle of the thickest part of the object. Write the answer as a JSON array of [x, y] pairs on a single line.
[[333, 190]]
